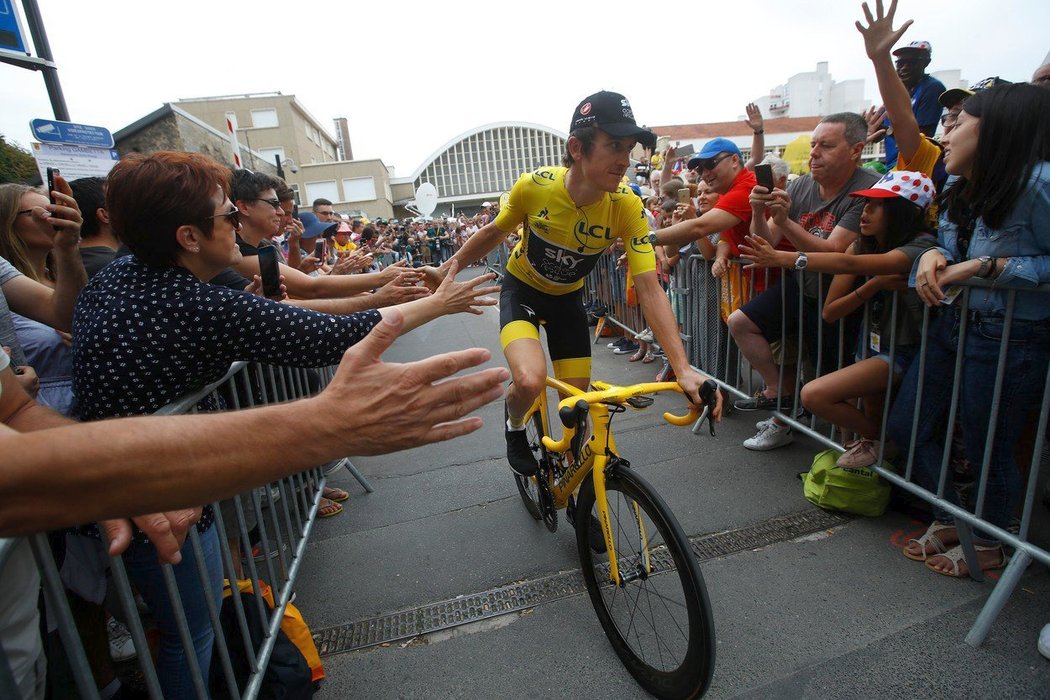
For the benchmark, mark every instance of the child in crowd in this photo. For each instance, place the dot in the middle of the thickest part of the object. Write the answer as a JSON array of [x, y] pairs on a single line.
[[893, 235]]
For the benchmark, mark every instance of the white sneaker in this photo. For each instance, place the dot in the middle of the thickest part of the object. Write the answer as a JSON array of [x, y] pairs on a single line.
[[770, 437], [760, 425], [1044, 641], [121, 646]]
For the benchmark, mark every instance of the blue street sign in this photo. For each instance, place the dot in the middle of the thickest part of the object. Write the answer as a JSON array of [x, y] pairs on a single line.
[[11, 36], [50, 131]]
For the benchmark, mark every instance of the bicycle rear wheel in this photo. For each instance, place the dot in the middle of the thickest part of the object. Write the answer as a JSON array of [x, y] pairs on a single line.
[[659, 620], [528, 487]]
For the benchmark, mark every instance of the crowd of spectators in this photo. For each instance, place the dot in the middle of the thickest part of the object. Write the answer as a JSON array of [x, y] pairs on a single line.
[[118, 296]]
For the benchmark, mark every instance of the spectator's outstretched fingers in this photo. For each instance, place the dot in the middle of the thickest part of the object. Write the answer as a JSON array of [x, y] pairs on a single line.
[[401, 289], [407, 408], [166, 531], [465, 296]]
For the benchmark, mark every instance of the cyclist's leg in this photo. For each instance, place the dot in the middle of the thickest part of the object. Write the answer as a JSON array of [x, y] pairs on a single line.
[[520, 339]]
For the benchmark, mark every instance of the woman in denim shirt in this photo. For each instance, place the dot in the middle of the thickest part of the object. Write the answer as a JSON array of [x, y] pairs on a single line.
[[995, 225]]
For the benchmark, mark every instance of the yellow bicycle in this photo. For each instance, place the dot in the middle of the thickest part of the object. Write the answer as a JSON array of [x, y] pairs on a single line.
[[642, 576]]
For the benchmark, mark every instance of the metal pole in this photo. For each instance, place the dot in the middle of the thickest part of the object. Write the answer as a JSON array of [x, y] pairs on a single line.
[[43, 49]]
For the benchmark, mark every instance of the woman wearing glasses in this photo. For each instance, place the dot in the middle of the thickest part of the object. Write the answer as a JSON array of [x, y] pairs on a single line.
[[149, 329], [42, 265], [995, 225]]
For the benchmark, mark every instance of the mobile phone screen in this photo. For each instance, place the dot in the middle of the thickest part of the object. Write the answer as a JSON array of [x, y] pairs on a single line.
[[270, 271], [319, 249], [764, 175]]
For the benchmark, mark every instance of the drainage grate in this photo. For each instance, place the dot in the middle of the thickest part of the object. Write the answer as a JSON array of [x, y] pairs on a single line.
[[521, 596]]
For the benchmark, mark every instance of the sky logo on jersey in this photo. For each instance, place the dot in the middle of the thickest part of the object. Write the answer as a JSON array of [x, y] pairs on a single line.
[[557, 264]]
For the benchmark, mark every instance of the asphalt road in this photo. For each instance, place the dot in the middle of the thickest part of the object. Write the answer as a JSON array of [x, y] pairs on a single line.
[[835, 613]]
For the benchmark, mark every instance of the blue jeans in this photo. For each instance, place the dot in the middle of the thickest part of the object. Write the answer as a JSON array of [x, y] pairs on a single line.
[[144, 571], [1027, 355]]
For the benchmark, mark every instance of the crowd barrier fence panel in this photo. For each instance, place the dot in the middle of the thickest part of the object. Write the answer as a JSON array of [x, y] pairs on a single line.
[[711, 349], [284, 513]]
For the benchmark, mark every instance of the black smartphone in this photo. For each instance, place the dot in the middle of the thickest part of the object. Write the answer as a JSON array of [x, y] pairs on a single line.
[[295, 211], [686, 150], [764, 175], [270, 271], [319, 249], [51, 172]]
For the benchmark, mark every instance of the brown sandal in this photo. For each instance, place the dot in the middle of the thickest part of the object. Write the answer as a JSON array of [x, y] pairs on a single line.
[[335, 494], [327, 508]]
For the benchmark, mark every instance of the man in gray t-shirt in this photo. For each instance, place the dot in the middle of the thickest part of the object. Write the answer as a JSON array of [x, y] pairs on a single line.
[[816, 213]]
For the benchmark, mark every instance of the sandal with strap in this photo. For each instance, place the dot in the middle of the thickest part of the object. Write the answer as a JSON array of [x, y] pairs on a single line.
[[929, 538], [333, 493], [328, 508], [955, 555]]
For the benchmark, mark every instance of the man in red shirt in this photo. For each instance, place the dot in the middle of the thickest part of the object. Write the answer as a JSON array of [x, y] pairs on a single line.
[[721, 166]]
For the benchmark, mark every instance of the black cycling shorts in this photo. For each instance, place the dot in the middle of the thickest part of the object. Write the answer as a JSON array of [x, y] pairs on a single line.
[[523, 308]]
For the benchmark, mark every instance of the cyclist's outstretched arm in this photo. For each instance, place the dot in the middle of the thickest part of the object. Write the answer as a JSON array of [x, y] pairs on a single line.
[[477, 246], [657, 311]]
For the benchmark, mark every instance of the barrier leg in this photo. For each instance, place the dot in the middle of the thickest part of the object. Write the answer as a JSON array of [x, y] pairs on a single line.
[[359, 476], [1000, 594]]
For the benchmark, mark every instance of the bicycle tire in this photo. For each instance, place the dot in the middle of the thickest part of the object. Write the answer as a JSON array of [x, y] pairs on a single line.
[[660, 625], [528, 488]]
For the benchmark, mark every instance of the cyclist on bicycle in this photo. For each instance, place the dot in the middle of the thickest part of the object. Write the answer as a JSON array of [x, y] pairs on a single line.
[[571, 215]]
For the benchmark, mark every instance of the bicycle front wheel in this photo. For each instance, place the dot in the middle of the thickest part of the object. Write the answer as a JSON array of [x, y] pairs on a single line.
[[659, 618]]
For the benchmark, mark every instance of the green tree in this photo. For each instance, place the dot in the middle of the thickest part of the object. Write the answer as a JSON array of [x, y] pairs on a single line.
[[16, 164]]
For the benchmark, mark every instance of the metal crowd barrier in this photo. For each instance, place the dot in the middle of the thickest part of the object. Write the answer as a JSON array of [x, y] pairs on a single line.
[[284, 513], [695, 295]]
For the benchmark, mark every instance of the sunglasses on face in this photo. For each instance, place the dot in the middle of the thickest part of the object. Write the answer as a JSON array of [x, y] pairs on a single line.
[[711, 163], [233, 216], [275, 203]]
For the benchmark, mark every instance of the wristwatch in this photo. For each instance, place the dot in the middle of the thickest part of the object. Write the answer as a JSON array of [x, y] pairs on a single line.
[[652, 238], [801, 261]]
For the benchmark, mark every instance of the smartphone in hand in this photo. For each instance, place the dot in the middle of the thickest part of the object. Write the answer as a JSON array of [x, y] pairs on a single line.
[[319, 249], [764, 175], [51, 172], [683, 195], [270, 271]]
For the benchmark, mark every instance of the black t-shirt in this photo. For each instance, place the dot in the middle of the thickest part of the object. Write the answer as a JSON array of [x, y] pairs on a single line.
[[96, 257], [231, 279]]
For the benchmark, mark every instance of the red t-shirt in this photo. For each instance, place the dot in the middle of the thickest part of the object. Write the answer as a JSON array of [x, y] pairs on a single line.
[[735, 201]]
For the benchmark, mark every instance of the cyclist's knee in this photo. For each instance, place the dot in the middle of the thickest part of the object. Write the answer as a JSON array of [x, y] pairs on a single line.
[[528, 383]]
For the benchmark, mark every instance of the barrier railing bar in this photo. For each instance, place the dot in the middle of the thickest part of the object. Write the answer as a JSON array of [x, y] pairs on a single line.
[[182, 626], [213, 613], [54, 591]]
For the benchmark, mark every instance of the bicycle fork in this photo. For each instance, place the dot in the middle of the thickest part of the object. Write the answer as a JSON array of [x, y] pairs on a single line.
[[601, 499]]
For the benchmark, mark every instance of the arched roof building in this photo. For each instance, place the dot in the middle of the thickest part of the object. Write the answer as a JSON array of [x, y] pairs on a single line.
[[481, 163]]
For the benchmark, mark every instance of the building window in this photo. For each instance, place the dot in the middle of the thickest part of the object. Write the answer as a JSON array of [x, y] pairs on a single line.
[[359, 189], [264, 118], [269, 154], [323, 189]]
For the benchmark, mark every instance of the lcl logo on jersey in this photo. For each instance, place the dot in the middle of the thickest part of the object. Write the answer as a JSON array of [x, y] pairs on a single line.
[[596, 231], [641, 244], [540, 175]]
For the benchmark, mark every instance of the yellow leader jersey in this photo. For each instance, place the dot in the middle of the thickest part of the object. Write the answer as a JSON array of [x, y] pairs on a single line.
[[561, 242]]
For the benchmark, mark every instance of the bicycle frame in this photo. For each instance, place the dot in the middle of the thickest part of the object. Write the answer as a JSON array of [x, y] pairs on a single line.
[[595, 453]]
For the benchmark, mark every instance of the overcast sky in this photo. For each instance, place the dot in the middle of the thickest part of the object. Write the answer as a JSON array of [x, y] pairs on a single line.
[[410, 80]]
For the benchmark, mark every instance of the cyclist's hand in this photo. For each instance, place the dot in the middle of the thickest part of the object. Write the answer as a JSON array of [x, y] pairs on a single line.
[[690, 382]]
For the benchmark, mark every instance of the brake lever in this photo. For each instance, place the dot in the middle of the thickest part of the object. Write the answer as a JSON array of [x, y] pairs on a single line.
[[708, 394]]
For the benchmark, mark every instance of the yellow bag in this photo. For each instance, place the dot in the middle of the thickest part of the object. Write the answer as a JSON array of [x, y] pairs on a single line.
[[735, 290]]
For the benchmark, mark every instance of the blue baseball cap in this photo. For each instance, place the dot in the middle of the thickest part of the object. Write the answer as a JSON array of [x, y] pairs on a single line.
[[711, 149], [312, 228]]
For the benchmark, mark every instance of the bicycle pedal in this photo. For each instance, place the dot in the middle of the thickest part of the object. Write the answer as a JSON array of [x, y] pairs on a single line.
[[640, 401]]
